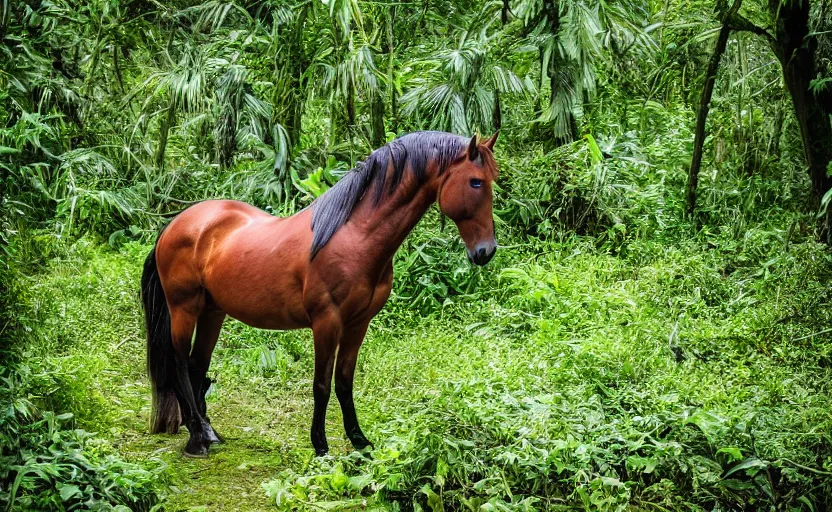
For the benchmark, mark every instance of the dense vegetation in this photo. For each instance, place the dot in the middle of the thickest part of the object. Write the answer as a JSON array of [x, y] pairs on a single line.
[[654, 333]]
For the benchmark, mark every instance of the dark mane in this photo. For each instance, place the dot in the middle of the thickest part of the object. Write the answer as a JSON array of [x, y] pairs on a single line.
[[333, 208]]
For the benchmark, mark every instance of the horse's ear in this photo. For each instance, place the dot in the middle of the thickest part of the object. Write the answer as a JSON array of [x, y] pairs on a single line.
[[491, 141], [473, 150]]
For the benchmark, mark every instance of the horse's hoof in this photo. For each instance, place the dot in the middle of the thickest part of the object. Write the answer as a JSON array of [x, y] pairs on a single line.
[[201, 453], [196, 449], [321, 452], [361, 444], [211, 436]]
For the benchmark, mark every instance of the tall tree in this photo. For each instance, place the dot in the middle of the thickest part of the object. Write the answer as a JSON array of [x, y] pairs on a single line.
[[574, 37], [705, 99], [460, 87], [795, 45]]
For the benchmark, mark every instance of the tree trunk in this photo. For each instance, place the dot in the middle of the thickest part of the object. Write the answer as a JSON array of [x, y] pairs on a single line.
[[164, 130], [226, 135], [378, 119], [497, 115], [391, 84], [291, 116], [552, 10], [777, 130], [571, 124], [350, 107], [795, 48], [705, 105], [542, 82], [334, 120], [117, 68]]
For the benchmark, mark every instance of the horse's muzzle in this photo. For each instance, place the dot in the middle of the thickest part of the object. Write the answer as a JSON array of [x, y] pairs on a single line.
[[483, 253]]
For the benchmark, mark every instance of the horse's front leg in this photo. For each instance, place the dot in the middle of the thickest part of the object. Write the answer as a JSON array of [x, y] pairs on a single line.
[[326, 329], [344, 374]]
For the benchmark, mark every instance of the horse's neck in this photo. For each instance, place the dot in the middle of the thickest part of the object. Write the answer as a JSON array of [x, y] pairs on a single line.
[[385, 226]]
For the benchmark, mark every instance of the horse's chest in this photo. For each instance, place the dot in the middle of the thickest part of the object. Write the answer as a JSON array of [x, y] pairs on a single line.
[[356, 295]]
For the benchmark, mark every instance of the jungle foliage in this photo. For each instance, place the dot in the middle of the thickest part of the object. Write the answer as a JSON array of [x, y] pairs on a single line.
[[652, 335]]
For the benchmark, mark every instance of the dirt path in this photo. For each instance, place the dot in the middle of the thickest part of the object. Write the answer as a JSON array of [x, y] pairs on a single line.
[[265, 422]]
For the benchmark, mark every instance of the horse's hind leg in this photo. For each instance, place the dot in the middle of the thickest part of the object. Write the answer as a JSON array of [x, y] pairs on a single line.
[[208, 328], [182, 323]]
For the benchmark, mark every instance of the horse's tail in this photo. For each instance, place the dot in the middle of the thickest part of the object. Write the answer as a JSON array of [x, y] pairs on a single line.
[[164, 413]]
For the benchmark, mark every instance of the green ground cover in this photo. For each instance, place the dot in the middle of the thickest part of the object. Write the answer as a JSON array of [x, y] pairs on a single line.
[[675, 376]]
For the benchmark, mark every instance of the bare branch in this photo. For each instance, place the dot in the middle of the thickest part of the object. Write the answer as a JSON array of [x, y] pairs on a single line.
[[740, 23]]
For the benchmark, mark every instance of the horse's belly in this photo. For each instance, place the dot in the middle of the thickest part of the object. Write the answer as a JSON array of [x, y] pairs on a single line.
[[275, 322], [256, 275], [261, 304]]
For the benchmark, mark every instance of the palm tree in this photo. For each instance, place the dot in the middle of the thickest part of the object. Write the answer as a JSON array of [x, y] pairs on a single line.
[[289, 44], [461, 88], [347, 65], [241, 113], [181, 86], [574, 37], [191, 65]]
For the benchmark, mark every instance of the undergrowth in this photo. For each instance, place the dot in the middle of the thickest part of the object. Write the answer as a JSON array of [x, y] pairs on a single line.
[[47, 464], [684, 375], [47, 461], [589, 381], [615, 355]]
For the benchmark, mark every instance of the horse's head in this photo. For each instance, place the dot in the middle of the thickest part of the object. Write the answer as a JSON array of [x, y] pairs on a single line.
[[465, 197]]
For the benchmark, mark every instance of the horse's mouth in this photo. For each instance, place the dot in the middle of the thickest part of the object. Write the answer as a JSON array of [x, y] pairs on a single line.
[[481, 256]]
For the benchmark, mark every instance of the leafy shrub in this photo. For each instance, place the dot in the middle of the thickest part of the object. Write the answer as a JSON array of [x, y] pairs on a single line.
[[480, 445], [433, 271], [583, 380], [47, 465], [607, 188]]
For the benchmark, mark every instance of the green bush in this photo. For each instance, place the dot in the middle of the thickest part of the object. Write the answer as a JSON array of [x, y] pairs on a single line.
[[45, 464], [582, 380], [480, 445]]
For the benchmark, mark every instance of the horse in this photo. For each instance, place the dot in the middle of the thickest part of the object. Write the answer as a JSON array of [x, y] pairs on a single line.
[[328, 267]]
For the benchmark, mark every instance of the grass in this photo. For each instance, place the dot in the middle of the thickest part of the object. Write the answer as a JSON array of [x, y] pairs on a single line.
[[690, 375]]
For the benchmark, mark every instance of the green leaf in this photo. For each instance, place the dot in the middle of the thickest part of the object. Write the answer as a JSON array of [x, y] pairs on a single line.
[[434, 501], [749, 463], [733, 453], [69, 491]]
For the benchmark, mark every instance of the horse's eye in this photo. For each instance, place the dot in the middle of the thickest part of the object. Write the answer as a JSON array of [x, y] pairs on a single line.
[[476, 183]]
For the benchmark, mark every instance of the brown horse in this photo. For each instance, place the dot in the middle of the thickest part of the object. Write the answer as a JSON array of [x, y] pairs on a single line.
[[328, 267]]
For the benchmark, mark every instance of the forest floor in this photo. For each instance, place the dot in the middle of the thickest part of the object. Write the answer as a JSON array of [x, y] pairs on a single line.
[[594, 352]]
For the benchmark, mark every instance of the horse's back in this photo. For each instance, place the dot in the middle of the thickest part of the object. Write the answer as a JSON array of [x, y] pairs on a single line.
[[204, 222], [219, 212]]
